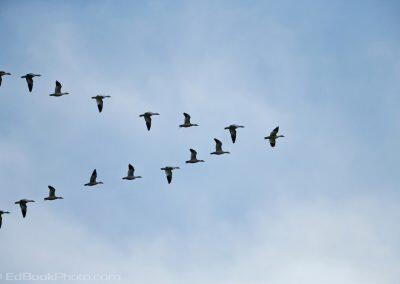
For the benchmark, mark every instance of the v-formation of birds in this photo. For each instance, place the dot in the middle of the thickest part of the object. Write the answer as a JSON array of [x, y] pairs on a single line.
[[272, 137]]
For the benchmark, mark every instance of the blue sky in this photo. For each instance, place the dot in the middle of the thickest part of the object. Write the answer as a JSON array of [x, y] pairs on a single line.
[[320, 207]]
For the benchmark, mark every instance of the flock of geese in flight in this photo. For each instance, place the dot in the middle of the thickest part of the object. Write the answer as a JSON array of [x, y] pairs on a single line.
[[272, 137]]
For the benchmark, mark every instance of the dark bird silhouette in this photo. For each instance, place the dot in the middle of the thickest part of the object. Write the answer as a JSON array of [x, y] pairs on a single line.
[[147, 118], [99, 101], [232, 129], [131, 173], [93, 180], [218, 148], [57, 91], [52, 194], [187, 122], [29, 79], [168, 172], [1, 217], [273, 136], [22, 203], [3, 73], [193, 157]]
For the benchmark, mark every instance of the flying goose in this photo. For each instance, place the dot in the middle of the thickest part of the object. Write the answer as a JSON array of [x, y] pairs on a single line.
[[2, 73], [131, 173], [93, 178], [52, 194], [273, 136], [29, 79], [57, 91], [218, 148], [193, 157], [1, 218], [187, 122], [99, 101], [232, 129], [22, 203], [168, 172], [147, 118]]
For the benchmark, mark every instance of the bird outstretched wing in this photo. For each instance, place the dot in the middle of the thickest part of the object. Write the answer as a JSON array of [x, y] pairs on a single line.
[[187, 118], [93, 177], [99, 102], [218, 145], [131, 170], [233, 134], [275, 131], [52, 191], [193, 154], [58, 88], [147, 118], [29, 80], [23, 209]]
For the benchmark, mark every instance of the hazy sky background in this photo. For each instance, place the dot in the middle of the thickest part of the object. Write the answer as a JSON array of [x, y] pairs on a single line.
[[321, 207]]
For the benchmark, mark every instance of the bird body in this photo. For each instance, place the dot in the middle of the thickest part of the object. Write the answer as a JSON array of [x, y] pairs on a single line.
[[273, 136], [99, 101], [1, 217], [187, 122], [52, 194], [57, 91], [23, 204], [93, 180], [131, 173], [193, 157], [168, 172], [147, 118], [218, 148], [3, 73], [29, 79], [232, 130]]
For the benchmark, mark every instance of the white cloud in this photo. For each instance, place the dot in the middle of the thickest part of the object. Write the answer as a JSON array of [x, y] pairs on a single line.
[[317, 241]]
